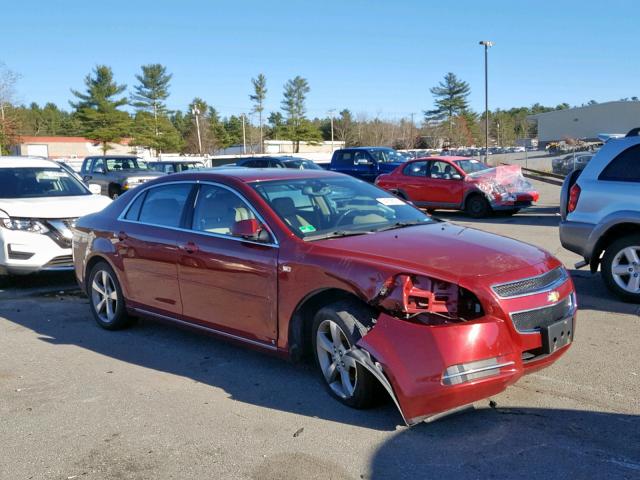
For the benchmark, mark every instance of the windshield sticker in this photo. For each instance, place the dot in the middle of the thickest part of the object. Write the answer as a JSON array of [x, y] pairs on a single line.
[[390, 201], [307, 228]]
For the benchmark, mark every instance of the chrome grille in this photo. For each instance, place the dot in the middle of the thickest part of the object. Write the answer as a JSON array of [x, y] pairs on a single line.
[[531, 320], [531, 285]]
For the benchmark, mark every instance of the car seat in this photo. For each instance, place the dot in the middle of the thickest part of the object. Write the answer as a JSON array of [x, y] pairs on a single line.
[[285, 207], [448, 172]]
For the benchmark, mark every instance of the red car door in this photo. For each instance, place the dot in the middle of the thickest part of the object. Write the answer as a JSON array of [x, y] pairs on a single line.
[[227, 283], [445, 186], [412, 181], [147, 244]]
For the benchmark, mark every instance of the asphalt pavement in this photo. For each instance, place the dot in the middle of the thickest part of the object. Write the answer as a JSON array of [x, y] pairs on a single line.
[[157, 402]]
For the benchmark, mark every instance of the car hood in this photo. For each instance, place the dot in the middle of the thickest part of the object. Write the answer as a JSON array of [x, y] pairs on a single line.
[[54, 207], [442, 249]]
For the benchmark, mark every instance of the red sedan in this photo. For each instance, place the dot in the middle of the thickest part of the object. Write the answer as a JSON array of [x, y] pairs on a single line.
[[313, 263], [460, 183]]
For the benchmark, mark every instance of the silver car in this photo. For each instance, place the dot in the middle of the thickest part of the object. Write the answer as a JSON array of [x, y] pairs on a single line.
[[600, 210]]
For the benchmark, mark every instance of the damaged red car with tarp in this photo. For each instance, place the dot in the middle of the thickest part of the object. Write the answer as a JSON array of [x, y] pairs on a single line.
[[315, 264], [460, 183]]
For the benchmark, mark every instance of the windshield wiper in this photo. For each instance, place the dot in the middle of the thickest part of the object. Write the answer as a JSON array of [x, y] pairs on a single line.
[[337, 234], [401, 225]]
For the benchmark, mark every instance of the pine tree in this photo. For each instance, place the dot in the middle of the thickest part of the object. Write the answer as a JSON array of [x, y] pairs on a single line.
[[258, 97], [152, 128], [293, 103], [98, 108]]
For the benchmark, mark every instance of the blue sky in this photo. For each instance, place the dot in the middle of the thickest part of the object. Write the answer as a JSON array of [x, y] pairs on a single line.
[[373, 57]]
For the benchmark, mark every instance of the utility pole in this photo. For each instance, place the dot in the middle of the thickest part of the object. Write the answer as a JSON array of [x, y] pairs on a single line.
[[244, 136], [486, 44], [331, 112], [196, 112]]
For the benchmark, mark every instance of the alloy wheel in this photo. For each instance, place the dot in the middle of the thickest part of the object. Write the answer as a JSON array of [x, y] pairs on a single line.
[[625, 269], [104, 296], [339, 369]]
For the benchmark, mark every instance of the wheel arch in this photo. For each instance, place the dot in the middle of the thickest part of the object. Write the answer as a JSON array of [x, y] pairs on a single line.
[[613, 233], [95, 259], [299, 331]]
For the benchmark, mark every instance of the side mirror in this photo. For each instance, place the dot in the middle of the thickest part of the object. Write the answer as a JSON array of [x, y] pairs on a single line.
[[95, 189], [251, 230]]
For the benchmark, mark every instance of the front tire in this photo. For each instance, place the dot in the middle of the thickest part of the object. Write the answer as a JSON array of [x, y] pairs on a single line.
[[621, 268], [114, 192], [477, 206], [106, 298], [336, 329]]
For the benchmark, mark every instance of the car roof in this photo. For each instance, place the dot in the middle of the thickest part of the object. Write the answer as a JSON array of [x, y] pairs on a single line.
[[26, 162], [249, 175], [114, 156], [367, 148], [182, 160]]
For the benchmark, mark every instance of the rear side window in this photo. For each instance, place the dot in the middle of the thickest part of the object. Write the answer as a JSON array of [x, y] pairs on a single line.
[[344, 158], [625, 167], [164, 205], [416, 169], [134, 210]]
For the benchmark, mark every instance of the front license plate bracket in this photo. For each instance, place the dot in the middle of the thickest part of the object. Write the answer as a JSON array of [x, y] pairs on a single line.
[[557, 335]]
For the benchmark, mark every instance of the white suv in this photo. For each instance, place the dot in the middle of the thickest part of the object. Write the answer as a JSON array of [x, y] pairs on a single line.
[[39, 202], [600, 209]]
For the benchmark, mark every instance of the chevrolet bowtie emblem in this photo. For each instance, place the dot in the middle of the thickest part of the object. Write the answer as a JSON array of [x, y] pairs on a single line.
[[553, 297]]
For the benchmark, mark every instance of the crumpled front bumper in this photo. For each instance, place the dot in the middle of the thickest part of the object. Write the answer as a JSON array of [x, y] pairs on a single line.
[[424, 366]]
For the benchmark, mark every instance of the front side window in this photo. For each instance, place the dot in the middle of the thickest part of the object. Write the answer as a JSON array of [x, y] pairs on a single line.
[[625, 167], [39, 182], [314, 209], [163, 205], [442, 170], [387, 155], [218, 209], [127, 163], [98, 166]]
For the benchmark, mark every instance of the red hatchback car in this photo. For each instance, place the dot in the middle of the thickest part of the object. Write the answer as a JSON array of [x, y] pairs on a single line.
[[460, 183], [319, 264]]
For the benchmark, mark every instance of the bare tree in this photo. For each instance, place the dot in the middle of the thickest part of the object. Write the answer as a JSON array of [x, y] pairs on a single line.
[[8, 123]]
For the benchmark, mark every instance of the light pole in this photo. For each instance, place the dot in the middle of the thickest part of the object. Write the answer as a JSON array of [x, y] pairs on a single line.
[[196, 112], [486, 44]]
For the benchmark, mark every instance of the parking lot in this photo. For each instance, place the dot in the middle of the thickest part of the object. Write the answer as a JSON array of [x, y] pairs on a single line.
[[158, 402]]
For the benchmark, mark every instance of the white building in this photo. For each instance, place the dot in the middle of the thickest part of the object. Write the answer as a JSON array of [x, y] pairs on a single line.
[[586, 123]]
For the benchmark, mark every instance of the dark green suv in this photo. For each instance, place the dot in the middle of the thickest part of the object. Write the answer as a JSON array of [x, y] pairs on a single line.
[[116, 174]]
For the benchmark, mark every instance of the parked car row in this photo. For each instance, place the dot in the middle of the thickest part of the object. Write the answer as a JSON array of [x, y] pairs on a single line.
[[567, 164]]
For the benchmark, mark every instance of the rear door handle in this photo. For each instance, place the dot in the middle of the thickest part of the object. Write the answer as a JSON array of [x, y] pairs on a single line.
[[189, 247]]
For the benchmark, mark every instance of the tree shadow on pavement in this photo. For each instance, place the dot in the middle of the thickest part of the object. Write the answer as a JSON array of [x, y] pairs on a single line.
[[245, 375], [537, 216], [515, 443]]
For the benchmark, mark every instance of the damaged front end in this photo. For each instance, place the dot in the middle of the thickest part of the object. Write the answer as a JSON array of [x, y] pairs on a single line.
[[504, 187], [434, 349]]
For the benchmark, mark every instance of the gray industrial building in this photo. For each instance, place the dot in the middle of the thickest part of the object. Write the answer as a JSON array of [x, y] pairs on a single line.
[[587, 123]]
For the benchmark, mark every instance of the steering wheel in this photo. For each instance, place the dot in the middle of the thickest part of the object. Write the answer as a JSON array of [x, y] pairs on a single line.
[[344, 215]]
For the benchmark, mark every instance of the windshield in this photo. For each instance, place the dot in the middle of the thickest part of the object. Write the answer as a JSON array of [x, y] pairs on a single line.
[[315, 209], [302, 164], [472, 166], [131, 163], [39, 182], [387, 155]]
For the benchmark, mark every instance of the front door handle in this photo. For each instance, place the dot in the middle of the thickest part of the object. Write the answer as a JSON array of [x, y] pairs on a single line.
[[189, 247]]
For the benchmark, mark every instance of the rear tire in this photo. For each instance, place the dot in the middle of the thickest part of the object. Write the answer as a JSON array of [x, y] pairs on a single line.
[[621, 268], [336, 328], [477, 206], [106, 298]]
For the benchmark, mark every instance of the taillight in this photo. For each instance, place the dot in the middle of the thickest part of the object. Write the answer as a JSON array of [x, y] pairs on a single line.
[[574, 195]]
